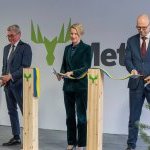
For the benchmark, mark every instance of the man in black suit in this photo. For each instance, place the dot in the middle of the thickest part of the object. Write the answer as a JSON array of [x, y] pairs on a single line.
[[137, 61], [16, 56]]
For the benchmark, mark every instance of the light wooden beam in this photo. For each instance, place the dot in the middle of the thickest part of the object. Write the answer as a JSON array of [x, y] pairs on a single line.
[[30, 112], [95, 110]]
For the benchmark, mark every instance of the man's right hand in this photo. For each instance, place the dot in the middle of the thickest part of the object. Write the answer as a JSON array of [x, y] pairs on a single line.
[[1, 83], [134, 72]]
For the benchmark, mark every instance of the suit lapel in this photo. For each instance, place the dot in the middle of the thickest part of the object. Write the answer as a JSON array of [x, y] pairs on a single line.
[[8, 49], [148, 49], [16, 50], [69, 55], [75, 55], [138, 46], [78, 50]]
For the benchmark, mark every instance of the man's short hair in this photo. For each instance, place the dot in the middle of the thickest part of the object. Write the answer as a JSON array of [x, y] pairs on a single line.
[[14, 28]]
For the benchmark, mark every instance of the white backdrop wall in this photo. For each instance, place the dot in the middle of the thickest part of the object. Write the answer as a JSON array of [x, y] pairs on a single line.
[[108, 22]]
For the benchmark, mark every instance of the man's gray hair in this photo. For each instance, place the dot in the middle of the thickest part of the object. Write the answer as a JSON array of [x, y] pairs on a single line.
[[14, 28]]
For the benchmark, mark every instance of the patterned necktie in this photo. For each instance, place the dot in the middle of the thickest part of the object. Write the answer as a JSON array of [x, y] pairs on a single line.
[[10, 58], [143, 46]]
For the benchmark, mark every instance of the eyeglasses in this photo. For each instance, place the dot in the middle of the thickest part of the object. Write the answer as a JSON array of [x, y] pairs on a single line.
[[143, 28], [11, 35]]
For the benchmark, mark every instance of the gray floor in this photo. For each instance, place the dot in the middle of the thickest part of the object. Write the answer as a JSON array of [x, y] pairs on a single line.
[[56, 140]]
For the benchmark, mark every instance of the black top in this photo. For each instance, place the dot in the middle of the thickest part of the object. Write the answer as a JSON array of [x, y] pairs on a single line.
[[78, 61]]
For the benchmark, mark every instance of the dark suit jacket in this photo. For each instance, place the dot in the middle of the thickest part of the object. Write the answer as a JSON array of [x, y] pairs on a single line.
[[21, 59], [78, 63], [134, 60]]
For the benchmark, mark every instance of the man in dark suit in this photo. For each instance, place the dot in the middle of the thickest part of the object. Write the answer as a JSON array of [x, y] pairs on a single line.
[[137, 61], [16, 56]]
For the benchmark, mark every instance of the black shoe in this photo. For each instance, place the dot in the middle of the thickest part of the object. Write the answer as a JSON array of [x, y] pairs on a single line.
[[21, 147], [12, 141], [128, 148]]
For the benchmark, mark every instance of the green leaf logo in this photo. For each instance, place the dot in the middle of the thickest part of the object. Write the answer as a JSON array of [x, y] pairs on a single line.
[[93, 78], [50, 45], [27, 77]]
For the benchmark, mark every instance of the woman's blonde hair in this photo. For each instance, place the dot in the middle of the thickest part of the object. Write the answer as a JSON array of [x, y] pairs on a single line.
[[79, 28]]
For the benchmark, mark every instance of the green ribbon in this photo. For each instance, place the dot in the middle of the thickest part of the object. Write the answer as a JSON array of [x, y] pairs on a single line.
[[108, 74]]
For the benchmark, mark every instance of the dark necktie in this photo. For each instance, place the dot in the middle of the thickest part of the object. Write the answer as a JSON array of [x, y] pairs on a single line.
[[143, 46], [10, 58]]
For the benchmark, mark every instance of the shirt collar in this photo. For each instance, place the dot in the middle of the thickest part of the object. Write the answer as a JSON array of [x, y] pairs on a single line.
[[16, 43], [75, 46], [147, 36]]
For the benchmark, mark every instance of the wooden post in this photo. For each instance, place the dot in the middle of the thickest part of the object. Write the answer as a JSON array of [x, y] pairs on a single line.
[[30, 112], [95, 110]]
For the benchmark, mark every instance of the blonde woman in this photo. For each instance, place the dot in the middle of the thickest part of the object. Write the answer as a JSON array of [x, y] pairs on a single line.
[[76, 61]]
